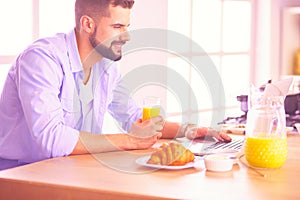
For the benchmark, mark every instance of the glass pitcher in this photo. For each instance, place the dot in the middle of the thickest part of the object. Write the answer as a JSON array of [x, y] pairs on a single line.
[[266, 142]]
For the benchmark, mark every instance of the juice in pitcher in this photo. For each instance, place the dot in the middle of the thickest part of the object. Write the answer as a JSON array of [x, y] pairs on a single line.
[[266, 152], [266, 140]]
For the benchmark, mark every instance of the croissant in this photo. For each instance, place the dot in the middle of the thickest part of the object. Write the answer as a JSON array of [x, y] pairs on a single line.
[[173, 154]]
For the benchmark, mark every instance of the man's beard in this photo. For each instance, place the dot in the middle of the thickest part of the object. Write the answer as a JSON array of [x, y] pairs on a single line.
[[106, 52]]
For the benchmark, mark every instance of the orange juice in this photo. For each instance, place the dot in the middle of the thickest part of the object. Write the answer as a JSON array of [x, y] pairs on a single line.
[[266, 152], [149, 112]]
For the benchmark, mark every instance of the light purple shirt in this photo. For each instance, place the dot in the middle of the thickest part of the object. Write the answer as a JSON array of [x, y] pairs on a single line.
[[40, 110]]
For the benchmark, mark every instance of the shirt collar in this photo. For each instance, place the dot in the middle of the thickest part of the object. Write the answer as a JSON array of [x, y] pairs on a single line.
[[76, 65]]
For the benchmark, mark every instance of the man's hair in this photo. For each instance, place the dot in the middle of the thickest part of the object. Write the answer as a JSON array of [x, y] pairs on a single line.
[[97, 8]]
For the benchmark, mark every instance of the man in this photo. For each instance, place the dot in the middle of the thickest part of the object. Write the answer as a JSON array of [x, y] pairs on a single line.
[[58, 90]]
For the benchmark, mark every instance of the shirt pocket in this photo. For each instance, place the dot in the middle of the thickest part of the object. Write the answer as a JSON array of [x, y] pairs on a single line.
[[70, 111]]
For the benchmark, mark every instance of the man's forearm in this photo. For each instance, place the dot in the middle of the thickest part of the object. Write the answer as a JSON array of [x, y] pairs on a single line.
[[172, 130], [97, 143]]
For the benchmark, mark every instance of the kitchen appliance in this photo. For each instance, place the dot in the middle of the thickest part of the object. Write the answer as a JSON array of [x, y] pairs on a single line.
[[291, 105]]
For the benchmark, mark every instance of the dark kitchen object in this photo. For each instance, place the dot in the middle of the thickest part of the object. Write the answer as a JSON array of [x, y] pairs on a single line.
[[290, 103], [244, 102]]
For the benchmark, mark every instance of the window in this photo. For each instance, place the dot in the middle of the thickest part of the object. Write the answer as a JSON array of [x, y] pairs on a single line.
[[223, 29], [62, 16], [16, 32], [24, 21]]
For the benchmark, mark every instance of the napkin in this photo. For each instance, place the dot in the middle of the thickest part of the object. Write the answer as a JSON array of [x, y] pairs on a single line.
[[278, 88]]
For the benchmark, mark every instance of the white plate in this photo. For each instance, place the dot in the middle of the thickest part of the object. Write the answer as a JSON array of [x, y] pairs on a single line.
[[143, 162], [234, 128]]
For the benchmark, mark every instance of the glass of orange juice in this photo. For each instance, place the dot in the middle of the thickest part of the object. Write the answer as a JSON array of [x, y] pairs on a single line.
[[151, 107]]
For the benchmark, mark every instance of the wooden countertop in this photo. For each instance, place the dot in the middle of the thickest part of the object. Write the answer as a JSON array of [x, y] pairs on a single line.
[[115, 175]]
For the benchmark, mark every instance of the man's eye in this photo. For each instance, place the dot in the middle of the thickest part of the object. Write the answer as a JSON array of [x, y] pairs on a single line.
[[117, 26]]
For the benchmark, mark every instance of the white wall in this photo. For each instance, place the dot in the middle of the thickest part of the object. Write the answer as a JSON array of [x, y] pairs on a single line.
[[262, 42]]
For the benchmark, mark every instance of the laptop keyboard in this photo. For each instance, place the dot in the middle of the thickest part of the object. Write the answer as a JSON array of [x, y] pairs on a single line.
[[222, 147]]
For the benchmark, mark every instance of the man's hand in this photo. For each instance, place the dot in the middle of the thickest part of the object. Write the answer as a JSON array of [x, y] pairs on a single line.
[[196, 132], [144, 134]]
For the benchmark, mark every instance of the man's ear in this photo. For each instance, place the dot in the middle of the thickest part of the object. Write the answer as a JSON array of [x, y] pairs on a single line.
[[87, 24]]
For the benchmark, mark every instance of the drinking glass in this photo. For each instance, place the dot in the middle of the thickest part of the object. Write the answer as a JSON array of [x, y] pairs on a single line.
[[151, 107]]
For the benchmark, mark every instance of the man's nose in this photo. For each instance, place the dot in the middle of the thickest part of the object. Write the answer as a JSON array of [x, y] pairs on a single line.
[[125, 36]]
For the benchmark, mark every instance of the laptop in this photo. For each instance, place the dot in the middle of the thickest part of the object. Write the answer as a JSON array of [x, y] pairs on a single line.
[[208, 146]]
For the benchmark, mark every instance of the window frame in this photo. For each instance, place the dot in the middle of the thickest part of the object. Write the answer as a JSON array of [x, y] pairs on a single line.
[[229, 109]]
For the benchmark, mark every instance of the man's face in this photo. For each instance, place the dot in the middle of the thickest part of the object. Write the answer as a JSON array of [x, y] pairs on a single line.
[[110, 34]]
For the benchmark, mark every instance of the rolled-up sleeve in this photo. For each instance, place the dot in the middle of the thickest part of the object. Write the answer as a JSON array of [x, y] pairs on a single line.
[[39, 81]]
